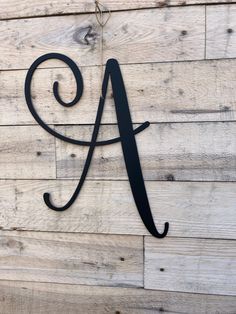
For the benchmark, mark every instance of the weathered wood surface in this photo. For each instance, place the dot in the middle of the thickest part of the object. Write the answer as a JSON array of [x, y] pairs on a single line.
[[45, 298], [27, 39], [165, 35], [193, 209], [24, 8], [71, 258], [81, 299], [164, 92], [149, 44], [220, 31], [26, 152], [78, 36], [175, 151], [191, 265]]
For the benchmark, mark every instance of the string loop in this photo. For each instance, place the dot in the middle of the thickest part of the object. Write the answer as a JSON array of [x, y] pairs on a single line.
[[100, 10]]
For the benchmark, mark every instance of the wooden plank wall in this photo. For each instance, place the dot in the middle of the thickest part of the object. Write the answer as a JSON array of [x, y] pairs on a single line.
[[178, 59]]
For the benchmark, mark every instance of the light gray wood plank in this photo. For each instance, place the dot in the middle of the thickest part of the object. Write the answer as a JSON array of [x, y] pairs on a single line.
[[173, 151], [78, 36], [45, 298], [27, 39], [24, 8], [193, 209], [157, 92], [71, 258], [26, 152], [165, 35], [191, 265], [220, 31]]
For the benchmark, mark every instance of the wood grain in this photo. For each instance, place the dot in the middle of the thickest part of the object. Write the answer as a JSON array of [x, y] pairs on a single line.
[[45, 298], [220, 31], [175, 151], [27, 39], [71, 258], [198, 209], [191, 265], [78, 36], [61, 262], [26, 152], [157, 92], [24, 8], [166, 35]]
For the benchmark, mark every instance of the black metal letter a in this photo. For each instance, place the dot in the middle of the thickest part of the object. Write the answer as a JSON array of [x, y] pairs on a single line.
[[127, 134]]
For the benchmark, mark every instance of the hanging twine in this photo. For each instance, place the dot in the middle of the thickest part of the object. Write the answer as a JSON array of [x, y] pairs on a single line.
[[100, 11]]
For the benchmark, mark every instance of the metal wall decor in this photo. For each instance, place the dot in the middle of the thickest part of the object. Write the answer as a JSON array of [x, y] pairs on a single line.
[[127, 134]]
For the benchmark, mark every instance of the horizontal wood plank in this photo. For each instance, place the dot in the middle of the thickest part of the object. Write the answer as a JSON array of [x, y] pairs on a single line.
[[191, 265], [166, 35], [193, 209], [41, 298], [78, 36], [24, 8], [71, 258], [220, 31], [175, 151], [164, 92], [26, 152]]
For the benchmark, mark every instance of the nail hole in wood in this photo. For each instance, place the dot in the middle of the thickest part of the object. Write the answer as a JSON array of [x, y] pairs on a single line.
[[170, 177]]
